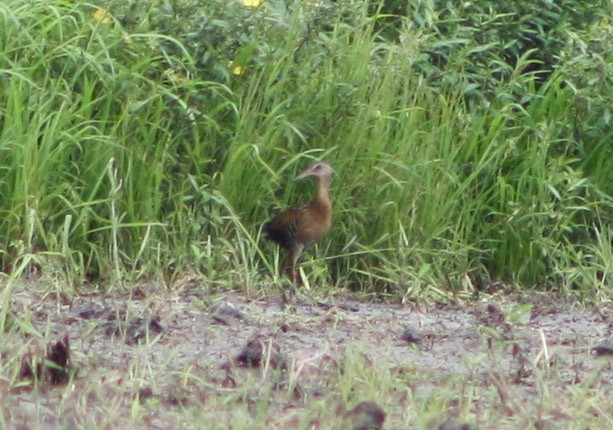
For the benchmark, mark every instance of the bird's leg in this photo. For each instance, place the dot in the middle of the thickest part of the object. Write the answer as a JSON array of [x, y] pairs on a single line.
[[288, 270], [292, 261], [294, 277]]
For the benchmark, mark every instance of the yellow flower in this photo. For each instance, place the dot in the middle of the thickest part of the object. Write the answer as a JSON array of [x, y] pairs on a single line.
[[236, 69], [102, 16], [253, 4]]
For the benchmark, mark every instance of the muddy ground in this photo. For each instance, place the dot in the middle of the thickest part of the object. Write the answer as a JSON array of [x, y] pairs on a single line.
[[172, 359]]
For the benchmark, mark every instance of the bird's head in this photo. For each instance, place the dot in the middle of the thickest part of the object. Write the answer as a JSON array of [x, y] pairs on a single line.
[[319, 170]]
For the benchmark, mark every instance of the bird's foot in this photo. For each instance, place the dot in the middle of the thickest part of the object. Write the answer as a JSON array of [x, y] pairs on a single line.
[[288, 298], [296, 279]]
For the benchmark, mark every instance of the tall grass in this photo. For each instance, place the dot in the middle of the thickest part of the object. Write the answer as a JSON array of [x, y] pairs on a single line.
[[130, 147]]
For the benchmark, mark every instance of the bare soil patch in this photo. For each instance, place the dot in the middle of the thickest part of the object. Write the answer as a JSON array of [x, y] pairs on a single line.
[[177, 359]]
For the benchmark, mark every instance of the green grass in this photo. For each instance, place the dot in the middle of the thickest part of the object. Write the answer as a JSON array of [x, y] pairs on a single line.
[[129, 148], [143, 145]]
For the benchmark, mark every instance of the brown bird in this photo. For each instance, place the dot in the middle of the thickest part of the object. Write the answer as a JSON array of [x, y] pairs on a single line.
[[298, 227]]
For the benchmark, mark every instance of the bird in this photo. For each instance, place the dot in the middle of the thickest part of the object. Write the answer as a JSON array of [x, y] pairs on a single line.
[[298, 227]]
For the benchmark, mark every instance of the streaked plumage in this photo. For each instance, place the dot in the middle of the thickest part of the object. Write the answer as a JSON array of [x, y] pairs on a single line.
[[296, 228]]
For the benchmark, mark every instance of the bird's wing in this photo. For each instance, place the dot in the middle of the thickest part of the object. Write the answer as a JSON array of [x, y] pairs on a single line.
[[283, 228]]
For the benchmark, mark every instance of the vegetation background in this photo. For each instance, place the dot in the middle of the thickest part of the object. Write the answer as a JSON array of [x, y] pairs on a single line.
[[472, 140], [149, 140]]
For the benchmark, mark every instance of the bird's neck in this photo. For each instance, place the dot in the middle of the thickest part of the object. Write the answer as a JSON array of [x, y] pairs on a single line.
[[322, 196]]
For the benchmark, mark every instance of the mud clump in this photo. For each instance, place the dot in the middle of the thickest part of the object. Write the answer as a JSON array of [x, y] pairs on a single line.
[[365, 416], [52, 369], [258, 352]]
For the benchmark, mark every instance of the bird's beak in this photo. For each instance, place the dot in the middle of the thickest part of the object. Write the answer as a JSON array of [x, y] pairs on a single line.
[[304, 175]]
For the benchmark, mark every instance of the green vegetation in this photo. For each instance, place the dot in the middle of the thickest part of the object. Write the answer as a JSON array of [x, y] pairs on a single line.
[[471, 143], [139, 141]]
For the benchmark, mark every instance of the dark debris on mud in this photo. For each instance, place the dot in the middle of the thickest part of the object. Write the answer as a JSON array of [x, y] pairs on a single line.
[[258, 334], [52, 368]]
